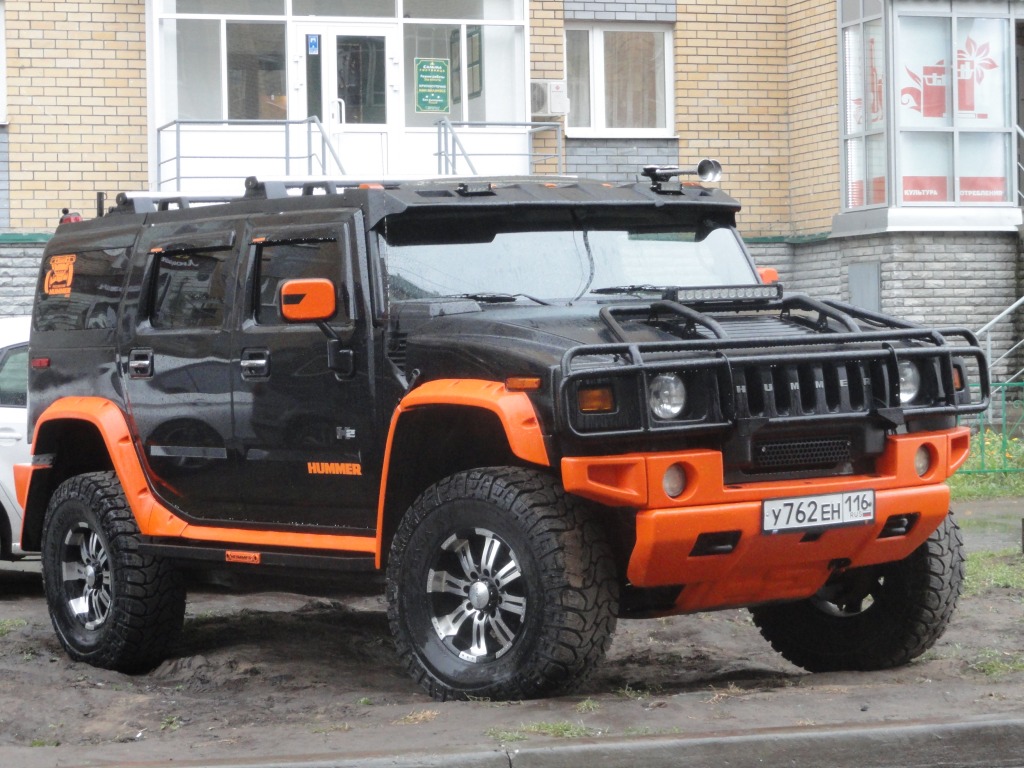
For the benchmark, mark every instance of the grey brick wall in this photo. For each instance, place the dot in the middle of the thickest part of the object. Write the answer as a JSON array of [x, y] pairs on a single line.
[[938, 278], [617, 159], [19, 268], [620, 10]]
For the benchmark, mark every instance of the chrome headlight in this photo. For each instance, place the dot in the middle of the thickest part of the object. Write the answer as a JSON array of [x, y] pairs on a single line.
[[910, 381], [666, 396]]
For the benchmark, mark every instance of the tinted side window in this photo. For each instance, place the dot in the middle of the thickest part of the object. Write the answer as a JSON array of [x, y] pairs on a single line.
[[281, 261], [14, 377], [189, 289], [81, 291]]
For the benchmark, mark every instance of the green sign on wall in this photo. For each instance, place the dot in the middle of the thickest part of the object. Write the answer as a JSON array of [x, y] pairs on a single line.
[[432, 85]]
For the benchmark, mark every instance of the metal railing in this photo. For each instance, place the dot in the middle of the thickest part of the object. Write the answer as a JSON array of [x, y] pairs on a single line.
[[190, 141], [450, 146], [985, 335], [1020, 168]]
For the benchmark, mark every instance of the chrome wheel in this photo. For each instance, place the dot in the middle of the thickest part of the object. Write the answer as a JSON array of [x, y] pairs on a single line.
[[477, 595], [85, 572]]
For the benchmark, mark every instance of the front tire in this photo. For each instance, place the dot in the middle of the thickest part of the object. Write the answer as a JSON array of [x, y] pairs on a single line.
[[872, 618], [111, 606], [500, 586]]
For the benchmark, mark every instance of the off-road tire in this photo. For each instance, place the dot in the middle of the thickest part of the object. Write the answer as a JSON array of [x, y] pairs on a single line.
[[912, 602], [110, 605], [552, 593]]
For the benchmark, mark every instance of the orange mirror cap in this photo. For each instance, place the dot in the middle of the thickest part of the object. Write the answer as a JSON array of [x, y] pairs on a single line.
[[769, 275], [308, 300]]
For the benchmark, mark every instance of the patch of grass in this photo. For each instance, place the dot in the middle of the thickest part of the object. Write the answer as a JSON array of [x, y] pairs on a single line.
[[505, 736], [636, 694], [417, 718], [560, 730], [170, 723], [993, 663], [993, 570], [587, 706], [995, 468], [364, 701], [43, 743], [9, 625]]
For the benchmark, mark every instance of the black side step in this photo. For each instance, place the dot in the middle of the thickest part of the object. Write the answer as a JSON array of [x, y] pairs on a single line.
[[247, 556]]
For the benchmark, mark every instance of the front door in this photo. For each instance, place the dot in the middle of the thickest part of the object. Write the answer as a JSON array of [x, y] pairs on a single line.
[[308, 434], [351, 77]]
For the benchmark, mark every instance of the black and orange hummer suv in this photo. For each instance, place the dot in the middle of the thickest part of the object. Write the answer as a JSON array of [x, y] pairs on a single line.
[[533, 406]]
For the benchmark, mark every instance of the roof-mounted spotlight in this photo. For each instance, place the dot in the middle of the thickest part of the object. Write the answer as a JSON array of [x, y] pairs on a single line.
[[706, 170]]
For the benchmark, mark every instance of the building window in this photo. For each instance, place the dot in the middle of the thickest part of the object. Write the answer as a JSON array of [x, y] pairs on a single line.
[[216, 69], [946, 139], [619, 80], [864, 102], [953, 114]]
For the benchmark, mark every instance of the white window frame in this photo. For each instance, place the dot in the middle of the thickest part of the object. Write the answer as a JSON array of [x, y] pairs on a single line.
[[597, 129]]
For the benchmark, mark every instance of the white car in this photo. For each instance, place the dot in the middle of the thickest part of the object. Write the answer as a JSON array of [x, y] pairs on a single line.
[[14, 439]]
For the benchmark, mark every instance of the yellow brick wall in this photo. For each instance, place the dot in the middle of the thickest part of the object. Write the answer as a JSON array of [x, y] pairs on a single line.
[[547, 62], [732, 102], [814, 115], [756, 87], [76, 93]]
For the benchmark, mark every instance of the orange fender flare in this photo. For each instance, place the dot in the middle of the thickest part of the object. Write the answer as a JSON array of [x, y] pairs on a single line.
[[514, 410]]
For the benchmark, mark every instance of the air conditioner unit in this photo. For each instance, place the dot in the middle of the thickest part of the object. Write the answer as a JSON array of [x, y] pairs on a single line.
[[549, 97]]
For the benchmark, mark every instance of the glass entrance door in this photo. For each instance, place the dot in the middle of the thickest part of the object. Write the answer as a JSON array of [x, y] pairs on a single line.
[[351, 76]]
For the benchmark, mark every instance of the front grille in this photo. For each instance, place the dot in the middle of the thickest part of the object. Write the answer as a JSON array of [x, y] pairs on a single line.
[[812, 388], [798, 455]]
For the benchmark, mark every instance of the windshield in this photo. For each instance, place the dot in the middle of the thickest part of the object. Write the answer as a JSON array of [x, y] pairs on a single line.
[[557, 260]]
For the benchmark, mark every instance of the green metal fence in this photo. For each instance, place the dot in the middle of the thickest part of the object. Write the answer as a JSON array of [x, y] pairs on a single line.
[[996, 442]]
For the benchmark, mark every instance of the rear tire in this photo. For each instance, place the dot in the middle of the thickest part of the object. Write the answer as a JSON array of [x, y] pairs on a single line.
[[872, 618], [111, 606], [500, 586]]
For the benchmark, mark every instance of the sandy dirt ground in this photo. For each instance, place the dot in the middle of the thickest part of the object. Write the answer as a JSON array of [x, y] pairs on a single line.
[[268, 675]]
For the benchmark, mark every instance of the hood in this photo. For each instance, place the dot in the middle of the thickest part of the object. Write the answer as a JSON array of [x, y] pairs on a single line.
[[470, 339]]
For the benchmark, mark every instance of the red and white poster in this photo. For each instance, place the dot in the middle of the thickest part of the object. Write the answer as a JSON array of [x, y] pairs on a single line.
[[925, 189], [982, 189]]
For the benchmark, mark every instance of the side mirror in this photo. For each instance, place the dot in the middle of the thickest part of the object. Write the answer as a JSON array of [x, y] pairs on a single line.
[[769, 275], [308, 300]]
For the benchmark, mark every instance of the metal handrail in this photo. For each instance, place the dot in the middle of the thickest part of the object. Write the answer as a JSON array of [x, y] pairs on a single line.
[[449, 145], [986, 332], [1020, 167], [312, 126]]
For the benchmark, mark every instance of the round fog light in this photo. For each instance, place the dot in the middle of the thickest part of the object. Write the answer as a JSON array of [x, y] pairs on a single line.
[[674, 481], [666, 396], [910, 381], [922, 461]]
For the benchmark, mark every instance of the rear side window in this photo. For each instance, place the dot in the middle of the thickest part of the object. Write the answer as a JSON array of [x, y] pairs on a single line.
[[190, 289], [80, 291]]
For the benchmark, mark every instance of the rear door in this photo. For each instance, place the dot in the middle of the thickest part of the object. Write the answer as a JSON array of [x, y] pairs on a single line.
[[175, 357], [308, 435]]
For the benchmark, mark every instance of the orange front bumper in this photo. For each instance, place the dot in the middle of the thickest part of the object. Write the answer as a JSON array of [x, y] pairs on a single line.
[[763, 567]]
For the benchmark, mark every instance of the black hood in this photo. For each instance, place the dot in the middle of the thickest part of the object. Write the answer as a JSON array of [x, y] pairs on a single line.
[[461, 338]]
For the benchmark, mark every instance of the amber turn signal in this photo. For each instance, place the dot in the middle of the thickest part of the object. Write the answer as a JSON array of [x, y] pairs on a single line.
[[596, 400], [522, 383]]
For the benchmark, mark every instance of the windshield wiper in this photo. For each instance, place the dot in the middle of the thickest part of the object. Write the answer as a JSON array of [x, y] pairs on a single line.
[[635, 289], [498, 298]]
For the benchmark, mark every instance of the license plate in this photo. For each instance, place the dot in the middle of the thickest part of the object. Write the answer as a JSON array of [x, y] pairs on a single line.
[[821, 511]]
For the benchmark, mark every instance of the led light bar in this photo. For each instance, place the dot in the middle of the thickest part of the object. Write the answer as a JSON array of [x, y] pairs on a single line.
[[729, 293]]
